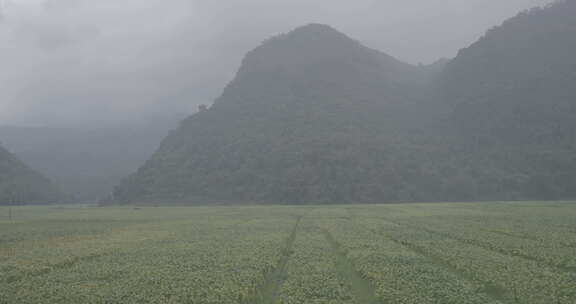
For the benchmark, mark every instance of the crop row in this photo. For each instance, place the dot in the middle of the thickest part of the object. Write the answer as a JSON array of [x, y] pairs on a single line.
[[312, 275], [510, 276], [401, 275]]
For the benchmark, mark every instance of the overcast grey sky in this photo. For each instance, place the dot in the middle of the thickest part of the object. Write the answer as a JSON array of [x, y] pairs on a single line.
[[125, 61]]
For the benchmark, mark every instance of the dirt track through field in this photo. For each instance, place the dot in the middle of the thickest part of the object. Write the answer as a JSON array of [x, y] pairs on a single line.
[[269, 291], [362, 290]]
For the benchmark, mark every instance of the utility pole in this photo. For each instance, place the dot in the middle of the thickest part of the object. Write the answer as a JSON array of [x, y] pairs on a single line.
[[12, 201]]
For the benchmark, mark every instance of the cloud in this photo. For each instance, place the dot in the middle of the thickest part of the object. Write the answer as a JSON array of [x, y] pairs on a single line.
[[125, 61]]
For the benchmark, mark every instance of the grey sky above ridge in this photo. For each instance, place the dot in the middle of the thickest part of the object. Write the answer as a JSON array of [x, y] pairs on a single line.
[[86, 62]]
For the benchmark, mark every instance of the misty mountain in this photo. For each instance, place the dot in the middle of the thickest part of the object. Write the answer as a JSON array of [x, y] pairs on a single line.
[[513, 95], [315, 117], [86, 162], [312, 116], [21, 185]]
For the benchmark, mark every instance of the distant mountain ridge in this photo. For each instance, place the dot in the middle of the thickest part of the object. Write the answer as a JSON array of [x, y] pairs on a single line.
[[315, 117]]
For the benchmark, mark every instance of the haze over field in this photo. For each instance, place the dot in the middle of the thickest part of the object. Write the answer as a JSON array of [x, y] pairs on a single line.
[[288, 151]]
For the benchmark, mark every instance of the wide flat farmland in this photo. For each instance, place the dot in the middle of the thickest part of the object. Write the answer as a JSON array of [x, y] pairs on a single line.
[[507, 252]]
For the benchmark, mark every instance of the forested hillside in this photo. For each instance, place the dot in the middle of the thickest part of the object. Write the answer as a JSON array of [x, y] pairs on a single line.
[[315, 117], [20, 185], [514, 98], [312, 116]]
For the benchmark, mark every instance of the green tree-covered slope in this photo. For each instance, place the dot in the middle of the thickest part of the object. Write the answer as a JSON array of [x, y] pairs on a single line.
[[20, 185], [514, 99]]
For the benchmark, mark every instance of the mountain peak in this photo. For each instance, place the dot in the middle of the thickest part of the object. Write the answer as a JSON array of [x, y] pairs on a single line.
[[313, 56], [309, 45], [314, 32], [316, 28]]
